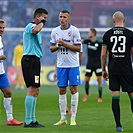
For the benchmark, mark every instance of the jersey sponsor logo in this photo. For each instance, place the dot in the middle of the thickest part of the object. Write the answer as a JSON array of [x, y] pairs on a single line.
[[118, 56], [67, 40], [92, 47]]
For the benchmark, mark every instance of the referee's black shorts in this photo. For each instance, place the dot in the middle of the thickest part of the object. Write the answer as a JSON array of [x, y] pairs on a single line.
[[123, 81], [31, 70]]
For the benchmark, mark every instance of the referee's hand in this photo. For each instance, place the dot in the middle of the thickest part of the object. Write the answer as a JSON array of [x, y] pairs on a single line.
[[105, 75], [41, 18]]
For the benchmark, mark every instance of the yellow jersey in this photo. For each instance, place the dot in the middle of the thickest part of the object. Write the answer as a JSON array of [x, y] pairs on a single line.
[[18, 53]]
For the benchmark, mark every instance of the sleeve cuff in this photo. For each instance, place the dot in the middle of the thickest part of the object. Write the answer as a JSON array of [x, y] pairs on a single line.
[[104, 44]]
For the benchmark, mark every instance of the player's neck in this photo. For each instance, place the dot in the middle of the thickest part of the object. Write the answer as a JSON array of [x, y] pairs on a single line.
[[65, 27], [93, 39], [35, 21], [119, 25]]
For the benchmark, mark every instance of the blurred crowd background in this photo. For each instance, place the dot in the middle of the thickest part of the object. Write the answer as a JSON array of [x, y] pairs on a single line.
[[84, 14], [87, 13]]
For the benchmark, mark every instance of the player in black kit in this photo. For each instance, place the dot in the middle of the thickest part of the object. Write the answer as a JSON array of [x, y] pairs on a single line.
[[94, 63], [118, 45]]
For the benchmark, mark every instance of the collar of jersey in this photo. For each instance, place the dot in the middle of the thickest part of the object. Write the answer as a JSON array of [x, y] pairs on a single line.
[[67, 27], [33, 22]]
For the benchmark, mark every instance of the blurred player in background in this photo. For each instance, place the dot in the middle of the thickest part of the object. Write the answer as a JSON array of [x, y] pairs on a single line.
[[4, 84], [118, 45], [94, 47], [65, 39], [18, 53], [32, 43]]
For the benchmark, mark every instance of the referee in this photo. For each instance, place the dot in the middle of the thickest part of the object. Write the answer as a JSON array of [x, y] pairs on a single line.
[[32, 43]]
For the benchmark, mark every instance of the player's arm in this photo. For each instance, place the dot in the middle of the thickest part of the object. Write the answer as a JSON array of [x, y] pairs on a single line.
[[103, 62], [74, 48], [82, 41], [85, 41], [54, 76], [54, 47], [81, 55], [37, 28], [132, 48], [80, 58]]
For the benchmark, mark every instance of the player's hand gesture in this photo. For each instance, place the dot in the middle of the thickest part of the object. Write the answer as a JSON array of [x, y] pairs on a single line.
[[60, 42], [105, 75]]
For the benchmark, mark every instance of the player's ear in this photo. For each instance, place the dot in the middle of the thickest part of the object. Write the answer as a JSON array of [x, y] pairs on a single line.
[[113, 21], [37, 16], [69, 17], [124, 20]]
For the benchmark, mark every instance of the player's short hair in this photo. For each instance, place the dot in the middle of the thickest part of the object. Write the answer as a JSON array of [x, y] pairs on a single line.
[[39, 11], [93, 31], [65, 11], [118, 16], [1, 21]]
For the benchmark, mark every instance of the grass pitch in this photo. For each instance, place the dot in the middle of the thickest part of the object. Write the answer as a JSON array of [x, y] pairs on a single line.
[[92, 117]]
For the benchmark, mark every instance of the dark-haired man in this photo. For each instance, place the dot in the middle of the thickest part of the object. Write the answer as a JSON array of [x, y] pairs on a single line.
[[65, 39], [94, 63], [32, 43]]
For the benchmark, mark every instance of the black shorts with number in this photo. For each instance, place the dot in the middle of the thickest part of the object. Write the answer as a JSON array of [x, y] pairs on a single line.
[[31, 70], [90, 68], [123, 81]]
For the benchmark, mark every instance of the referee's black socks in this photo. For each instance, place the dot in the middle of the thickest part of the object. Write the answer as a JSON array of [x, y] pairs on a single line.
[[116, 110]]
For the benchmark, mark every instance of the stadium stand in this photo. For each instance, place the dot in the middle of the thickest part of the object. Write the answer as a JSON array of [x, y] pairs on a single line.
[[18, 13]]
